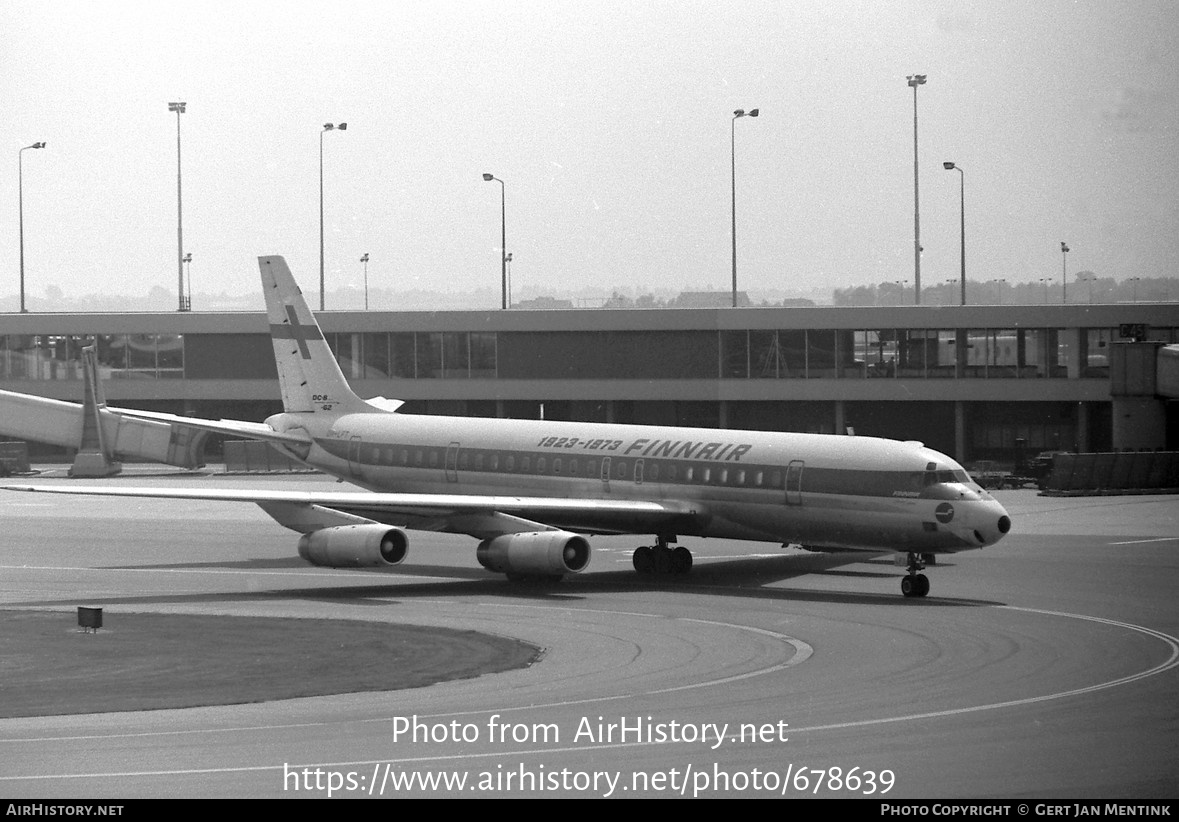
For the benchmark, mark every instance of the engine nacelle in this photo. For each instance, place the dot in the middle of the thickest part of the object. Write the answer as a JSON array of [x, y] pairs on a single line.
[[354, 546], [550, 553]]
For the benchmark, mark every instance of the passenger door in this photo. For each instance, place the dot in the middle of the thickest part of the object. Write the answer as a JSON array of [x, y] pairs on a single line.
[[354, 467], [451, 462], [794, 482]]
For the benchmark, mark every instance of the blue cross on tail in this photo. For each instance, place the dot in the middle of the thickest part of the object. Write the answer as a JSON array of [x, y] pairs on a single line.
[[293, 330]]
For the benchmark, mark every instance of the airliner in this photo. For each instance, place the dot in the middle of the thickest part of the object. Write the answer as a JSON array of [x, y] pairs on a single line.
[[533, 492]]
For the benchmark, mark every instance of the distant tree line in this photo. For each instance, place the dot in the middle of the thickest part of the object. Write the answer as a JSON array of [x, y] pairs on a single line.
[[1084, 287]]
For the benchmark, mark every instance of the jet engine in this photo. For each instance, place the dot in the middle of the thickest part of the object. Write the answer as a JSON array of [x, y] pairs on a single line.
[[354, 546], [547, 553]]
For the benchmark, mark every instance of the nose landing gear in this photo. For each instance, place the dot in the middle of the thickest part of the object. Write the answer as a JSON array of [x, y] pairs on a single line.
[[915, 584]]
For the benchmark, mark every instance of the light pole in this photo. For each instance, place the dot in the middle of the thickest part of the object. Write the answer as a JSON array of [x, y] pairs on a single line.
[[20, 197], [187, 260], [503, 237], [509, 270], [914, 81], [738, 114], [1135, 281], [1045, 281], [364, 260], [1063, 272], [179, 109], [962, 189], [326, 128]]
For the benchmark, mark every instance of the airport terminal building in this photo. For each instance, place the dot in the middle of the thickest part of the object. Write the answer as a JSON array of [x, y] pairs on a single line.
[[972, 381]]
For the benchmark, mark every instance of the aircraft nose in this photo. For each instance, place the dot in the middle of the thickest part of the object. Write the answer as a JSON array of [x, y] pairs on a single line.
[[994, 522], [987, 524]]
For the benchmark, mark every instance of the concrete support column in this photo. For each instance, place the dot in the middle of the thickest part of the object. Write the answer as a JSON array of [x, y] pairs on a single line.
[[959, 431], [961, 352], [1070, 339], [722, 414], [840, 418]]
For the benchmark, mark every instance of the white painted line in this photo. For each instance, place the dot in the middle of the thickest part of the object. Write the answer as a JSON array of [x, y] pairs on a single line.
[[1143, 541]]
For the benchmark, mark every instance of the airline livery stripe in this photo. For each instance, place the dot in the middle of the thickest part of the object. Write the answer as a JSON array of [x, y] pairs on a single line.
[[689, 473]]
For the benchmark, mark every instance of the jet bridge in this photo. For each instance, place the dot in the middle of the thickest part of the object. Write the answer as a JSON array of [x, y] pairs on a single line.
[[1144, 378], [102, 436]]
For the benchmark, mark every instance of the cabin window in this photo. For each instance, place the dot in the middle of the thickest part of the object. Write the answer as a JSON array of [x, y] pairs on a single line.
[[540, 465], [760, 478], [724, 476], [557, 465], [478, 462], [495, 462], [433, 459], [417, 457], [463, 461], [620, 470], [511, 463], [740, 477], [689, 473], [404, 456], [525, 465], [671, 473], [654, 472], [707, 475], [573, 467]]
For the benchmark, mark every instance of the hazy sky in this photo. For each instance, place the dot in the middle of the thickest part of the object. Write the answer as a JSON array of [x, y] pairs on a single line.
[[610, 123]]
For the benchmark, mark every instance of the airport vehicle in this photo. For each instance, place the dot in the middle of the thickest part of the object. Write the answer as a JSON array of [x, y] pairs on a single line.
[[533, 491]]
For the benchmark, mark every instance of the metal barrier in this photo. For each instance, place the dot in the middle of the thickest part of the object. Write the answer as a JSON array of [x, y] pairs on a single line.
[[1119, 472]]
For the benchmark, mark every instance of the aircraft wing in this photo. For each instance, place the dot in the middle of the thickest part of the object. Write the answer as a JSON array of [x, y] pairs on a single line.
[[478, 516], [249, 430]]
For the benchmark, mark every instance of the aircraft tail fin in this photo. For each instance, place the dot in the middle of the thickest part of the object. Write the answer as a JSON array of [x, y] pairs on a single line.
[[308, 373]]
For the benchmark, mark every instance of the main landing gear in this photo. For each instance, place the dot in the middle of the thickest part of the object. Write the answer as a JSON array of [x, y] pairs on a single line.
[[915, 584], [662, 559]]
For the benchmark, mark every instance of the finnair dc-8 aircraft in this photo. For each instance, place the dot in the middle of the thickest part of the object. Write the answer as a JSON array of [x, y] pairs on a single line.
[[533, 491]]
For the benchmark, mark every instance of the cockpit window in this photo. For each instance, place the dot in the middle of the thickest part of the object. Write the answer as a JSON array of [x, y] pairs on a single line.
[[935, 475]]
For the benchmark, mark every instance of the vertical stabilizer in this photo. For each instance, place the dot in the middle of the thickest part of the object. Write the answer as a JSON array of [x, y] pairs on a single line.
[[310, 378]]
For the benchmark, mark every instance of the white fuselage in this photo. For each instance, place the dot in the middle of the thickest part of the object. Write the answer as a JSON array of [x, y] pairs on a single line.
[[821, 491]]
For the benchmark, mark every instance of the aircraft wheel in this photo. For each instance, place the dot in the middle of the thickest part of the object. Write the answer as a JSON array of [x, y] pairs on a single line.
[[662, 558], [922, 585], [644, 559], [909, 585], [681, 560]]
